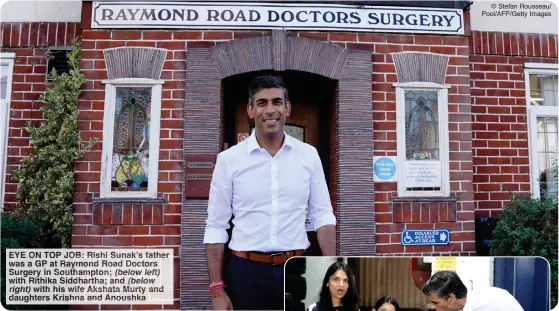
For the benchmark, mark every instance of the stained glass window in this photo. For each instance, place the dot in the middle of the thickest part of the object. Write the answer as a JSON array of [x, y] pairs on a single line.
[[130, 166], [422, 138]]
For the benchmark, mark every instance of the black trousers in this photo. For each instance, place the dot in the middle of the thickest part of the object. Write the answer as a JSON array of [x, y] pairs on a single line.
[[253, 285]]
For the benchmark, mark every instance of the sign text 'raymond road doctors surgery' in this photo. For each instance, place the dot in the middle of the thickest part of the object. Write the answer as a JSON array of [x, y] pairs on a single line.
[[197, 15]]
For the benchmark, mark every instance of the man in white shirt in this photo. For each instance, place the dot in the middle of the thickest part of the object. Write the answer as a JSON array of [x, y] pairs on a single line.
[[266, 183], [446, 292]]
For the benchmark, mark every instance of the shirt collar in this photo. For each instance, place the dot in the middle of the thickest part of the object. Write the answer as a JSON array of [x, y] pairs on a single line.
[[253, 143]]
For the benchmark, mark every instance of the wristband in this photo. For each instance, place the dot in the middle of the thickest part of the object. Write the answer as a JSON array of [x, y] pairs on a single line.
[[216, 285], [218, 295]]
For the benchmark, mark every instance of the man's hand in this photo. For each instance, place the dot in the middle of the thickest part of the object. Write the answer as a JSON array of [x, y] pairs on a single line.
[[222, 301]]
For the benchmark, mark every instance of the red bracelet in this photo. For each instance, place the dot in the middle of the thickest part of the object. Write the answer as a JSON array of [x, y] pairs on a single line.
[[216, 285]]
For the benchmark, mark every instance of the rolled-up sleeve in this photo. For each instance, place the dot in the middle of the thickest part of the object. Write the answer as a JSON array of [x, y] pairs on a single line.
[[219, 203], [320, 207]]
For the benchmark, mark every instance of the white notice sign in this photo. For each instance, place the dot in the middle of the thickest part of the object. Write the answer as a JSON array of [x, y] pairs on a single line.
[[288, 16], [423, 174]]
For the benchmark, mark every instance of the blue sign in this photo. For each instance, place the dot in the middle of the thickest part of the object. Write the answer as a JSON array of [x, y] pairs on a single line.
[[384, 168], [425, 237]]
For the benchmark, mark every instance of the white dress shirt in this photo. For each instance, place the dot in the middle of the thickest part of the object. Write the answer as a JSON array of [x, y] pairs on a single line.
[[491, 299], [268, 196]]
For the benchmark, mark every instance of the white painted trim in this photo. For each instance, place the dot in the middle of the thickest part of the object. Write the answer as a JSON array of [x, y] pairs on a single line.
[[134, 81], [542, 66], [534, 112], [7, 55], [443, 143], [533, 115], [423, 85], [5, 58], [108, 129]]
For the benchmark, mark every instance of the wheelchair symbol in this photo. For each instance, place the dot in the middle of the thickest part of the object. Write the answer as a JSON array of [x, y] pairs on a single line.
[[407, 238]]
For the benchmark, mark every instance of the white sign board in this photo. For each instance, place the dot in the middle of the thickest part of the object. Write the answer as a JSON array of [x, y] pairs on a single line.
[[327, 17], [423, 174], [384, 169]]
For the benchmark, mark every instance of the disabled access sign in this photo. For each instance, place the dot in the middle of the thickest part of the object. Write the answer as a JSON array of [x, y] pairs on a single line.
[[425, 237]]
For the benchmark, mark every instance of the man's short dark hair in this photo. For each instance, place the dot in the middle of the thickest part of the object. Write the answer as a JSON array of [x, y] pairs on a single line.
[[444, 283], [266, 82]]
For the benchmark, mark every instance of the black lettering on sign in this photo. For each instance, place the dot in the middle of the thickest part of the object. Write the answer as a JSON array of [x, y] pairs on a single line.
[[298, 17], [133, 14], [212, 15], [374, 18], [411, 19], [192, 15], [423, 20], [121, 16], [398, 19], [355, 19], [437, 20], [227, 15], [148, 14], [342, 17], [273, 16], [107, 14], [287, 16], [164, 17], [448, 19], [329, 17], [314, 16], [254, 16]]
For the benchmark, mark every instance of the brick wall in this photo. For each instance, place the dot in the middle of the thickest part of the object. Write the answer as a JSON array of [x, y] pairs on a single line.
[[93, 228], [393, 215], [29, 42], [499, 115]]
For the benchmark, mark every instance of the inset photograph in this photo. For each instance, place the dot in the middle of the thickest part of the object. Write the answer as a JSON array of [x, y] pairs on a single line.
[[417, 284]]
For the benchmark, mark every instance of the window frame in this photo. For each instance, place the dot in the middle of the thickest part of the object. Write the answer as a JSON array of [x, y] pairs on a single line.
[[5, 59], [533, 113], [108, 134], [442, 91]]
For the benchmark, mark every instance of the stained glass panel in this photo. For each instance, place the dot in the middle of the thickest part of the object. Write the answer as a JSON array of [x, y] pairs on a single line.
[[422, 133], [130, 167]]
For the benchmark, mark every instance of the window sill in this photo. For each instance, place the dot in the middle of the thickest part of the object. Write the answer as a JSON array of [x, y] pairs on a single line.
[[128, 201], [425, 199]]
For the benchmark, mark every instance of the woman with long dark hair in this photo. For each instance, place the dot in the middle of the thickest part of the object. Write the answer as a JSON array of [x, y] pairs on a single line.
[[386, 304], [338, 292]]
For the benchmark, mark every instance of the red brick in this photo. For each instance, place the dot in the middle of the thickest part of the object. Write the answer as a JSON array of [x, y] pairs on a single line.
[[416, 48], [217, 35], [336, 36], [79, 240], [148, 241], [382, 238], [126, 35], [187, 35], [117, 241], [371, 37], [428, 40], [389, 248], [134, 230]]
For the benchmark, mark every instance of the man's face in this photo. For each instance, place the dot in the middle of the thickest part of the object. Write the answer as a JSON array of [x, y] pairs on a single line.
[[440, 304], [269, 111]]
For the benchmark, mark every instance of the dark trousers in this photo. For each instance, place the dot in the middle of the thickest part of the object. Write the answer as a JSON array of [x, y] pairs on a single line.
[[253, 285]]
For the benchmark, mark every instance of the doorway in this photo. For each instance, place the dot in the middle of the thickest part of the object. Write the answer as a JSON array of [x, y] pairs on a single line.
[[312, 104]]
